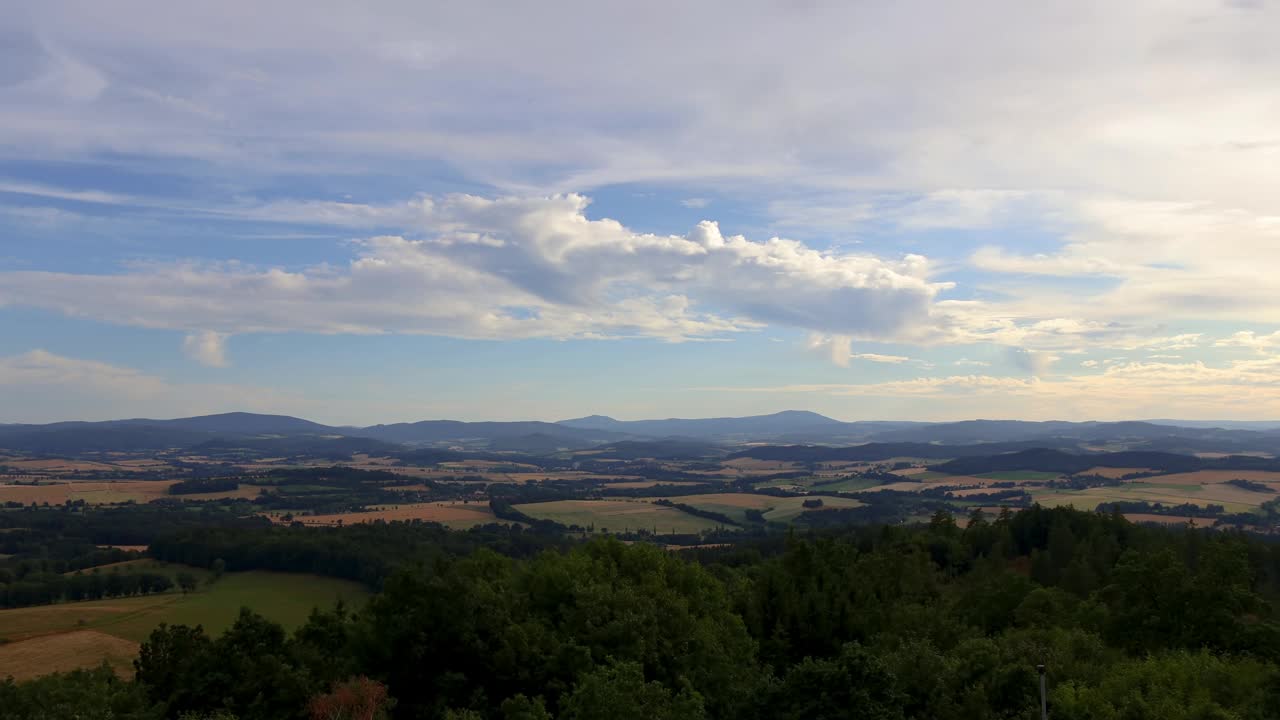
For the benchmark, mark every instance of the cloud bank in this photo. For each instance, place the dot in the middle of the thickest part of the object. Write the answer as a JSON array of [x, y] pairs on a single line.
[[510, 268]]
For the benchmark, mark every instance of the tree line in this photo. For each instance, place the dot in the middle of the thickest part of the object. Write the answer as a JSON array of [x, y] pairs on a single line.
[[945, 620]]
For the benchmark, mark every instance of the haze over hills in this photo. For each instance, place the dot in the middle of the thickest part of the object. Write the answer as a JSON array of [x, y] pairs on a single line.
[[539, 437]]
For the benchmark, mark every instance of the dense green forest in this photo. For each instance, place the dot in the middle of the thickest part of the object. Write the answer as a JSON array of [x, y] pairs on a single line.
[[945, 620]]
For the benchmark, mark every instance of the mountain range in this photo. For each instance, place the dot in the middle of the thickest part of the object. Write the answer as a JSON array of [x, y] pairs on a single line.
[[539, 437]]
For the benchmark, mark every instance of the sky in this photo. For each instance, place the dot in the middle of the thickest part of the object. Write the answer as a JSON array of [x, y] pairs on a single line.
[[873, 210]]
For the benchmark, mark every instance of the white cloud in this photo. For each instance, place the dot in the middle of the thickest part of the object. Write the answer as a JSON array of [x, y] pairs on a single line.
[[878, 358], [1250, 339], [47, 387], [1031, 129], [511, 268], [695, 203], [1030, 361], [966, 362], [207, 348], [1245, 389], [548, 97]]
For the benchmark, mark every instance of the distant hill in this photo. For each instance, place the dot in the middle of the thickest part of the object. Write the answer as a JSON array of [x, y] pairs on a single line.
[[788, 428], [242, 423], [755, 427], [331, 448], [436, 431], [872, 452]]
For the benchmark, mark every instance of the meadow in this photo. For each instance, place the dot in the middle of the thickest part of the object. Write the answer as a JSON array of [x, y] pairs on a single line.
[[774, 509], [50, 638]]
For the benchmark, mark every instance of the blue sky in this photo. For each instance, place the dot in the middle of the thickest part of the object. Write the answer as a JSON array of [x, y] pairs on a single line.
[[874, 211]]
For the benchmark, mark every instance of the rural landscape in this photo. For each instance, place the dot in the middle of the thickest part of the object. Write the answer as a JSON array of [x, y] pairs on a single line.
[[118, 538], [565, 360]]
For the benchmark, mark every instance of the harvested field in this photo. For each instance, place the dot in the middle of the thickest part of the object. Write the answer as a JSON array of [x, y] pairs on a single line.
[[618, 515], [450, 514], [632, 484], [1168, 519], [66, 651], [106, 492], [1219, 476], [911, 471], [60, 465], [90, 492]]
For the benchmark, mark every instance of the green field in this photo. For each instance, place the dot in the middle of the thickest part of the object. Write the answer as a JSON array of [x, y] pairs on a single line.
[[169, 570], [850, 485], [774, 509], [792, 508], [286, 598], [618, 516], [787, 482]]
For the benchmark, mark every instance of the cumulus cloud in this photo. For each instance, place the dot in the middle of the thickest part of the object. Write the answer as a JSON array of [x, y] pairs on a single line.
[[1031, 129], [1251, 340], [207, 348], [1030, 361], [511, 268]]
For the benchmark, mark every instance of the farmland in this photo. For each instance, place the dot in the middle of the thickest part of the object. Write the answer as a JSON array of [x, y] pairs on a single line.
[[48, 638], [106, 492], [618, 516], [774, 509], [458, 515]]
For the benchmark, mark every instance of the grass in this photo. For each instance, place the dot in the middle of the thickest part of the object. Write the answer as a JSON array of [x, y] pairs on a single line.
[[65, 652], [850, 485], [791, 509], [618, 515], [286, 598], [775, 509]]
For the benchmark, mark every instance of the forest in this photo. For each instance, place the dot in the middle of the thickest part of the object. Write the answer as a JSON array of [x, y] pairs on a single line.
[[944, 620]]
